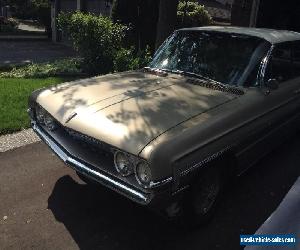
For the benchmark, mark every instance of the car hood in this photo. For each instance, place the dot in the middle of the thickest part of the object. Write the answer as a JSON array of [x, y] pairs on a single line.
[[129, 110]]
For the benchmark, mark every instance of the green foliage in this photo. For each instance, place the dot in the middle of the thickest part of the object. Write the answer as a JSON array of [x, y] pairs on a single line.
[[8, 25], [192, 14], [128, 59], [40, 3], [96, 38], [59, 67]]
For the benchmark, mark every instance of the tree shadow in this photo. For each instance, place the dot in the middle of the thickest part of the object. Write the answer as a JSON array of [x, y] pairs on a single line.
[[98, 218]]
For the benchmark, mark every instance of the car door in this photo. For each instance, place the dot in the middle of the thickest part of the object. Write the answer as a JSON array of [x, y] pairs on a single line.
[[277, 112]]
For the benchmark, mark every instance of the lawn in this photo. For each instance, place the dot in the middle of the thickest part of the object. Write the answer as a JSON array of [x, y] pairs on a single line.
[[14, 93]]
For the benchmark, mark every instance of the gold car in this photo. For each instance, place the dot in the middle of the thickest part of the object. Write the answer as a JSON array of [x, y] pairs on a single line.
[[212, 102]]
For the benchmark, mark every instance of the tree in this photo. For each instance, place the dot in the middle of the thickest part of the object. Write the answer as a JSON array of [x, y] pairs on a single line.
[[167, 20], [141, 16], [192, 14]]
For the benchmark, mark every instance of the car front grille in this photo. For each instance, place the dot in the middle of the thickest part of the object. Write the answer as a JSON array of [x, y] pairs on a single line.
[[88, 141], [86, 149], [85, 144]]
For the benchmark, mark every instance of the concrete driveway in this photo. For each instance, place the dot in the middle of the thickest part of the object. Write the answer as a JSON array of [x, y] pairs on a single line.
[[44, 206], [16, 52]]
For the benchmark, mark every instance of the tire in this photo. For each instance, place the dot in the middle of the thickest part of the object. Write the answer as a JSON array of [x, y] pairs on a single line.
[[201, 202]]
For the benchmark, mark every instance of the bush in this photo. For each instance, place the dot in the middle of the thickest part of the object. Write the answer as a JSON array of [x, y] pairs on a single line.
[[35, 70], [96, 38], [192, 14], [128, 59], [8, 25]]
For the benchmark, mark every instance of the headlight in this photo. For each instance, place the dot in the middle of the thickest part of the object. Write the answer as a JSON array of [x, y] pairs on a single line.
[[123, 164], [40, 114], [143, 173], [50, 122]]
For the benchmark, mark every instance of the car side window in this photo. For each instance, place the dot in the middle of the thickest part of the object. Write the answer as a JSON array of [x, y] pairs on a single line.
[[280, 66], [296, 59]]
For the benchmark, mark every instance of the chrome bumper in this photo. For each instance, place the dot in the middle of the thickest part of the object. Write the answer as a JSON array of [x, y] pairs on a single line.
[[91, 172]]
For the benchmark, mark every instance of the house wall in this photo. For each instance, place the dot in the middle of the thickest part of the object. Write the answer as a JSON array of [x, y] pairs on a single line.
[[98, 7], [224, 2], [67, 5], [274, 14], [219, 10], [241, 12], [279, 15]]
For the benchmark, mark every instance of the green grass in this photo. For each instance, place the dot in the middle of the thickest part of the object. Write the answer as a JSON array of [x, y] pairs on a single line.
[[14, 95]]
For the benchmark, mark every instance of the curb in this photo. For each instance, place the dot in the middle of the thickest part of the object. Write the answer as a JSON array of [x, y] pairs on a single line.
[[16, 140], [23, 38]]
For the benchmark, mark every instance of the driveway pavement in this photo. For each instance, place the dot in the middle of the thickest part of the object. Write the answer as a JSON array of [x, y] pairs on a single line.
[[44, 206], [26, 26], [16, 52], [18, 139]]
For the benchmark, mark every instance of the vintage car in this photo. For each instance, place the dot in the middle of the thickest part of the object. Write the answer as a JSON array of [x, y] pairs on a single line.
[[212, 102]]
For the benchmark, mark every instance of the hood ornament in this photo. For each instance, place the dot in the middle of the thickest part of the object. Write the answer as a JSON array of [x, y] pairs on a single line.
[[71, 117]]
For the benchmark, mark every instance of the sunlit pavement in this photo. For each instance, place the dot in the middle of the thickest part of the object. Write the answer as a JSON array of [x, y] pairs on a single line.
[[18, 52], [44, 206]]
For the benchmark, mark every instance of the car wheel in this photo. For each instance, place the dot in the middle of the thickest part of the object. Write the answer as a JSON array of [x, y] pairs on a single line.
[[200, 204]]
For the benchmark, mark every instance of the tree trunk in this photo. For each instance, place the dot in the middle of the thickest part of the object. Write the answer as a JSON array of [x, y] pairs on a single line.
[[167, 20]]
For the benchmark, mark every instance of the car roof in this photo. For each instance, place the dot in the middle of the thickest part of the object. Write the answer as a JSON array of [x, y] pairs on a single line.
[[271, 35]]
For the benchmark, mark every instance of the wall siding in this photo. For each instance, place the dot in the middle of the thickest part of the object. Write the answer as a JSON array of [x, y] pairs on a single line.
[[241, 12]]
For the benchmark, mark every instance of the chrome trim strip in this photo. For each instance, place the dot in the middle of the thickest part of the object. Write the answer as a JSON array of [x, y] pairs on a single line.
[[76, 163], [180, 190], [155, 184], [135, 195], [264, 66], [203, 162]]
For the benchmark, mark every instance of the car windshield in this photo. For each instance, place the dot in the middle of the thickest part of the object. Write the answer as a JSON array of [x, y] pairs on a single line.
[[227, 58]]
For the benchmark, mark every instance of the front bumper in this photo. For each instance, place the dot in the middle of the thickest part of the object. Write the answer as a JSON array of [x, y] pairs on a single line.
[[92, 172]]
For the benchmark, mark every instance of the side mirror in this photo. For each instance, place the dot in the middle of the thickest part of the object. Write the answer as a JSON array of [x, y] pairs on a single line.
[[272, 84]]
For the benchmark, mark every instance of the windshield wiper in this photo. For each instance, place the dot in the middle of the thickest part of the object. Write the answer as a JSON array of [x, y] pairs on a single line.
[[186, 73], [209, 83]]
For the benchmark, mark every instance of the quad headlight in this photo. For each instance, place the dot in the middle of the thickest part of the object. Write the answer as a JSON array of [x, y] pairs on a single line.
[[50, 122], [143, 173], [126, 165], [40, 114], [44, 118], [123, 163]]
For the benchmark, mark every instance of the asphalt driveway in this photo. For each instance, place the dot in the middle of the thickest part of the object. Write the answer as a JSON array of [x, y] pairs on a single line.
[[17, 52], [44, 206]]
